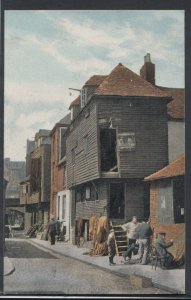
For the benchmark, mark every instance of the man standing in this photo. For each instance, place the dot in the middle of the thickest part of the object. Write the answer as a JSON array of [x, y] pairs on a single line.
[[144, 234], [52, 229], [131, 228]]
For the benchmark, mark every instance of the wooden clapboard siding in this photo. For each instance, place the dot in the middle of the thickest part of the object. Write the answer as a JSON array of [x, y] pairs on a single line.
[[92, 206], [86, 164], [147, 118]]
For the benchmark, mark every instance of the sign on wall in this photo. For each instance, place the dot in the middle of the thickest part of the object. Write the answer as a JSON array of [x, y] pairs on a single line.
[[126, 141]]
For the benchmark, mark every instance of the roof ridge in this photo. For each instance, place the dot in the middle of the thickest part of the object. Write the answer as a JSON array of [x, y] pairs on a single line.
[[124, 82]]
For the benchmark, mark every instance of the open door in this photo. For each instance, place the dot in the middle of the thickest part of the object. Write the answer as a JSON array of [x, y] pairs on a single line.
[[117, 200]]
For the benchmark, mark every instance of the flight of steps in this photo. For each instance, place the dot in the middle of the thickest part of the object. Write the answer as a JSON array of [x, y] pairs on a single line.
[[120, 239]]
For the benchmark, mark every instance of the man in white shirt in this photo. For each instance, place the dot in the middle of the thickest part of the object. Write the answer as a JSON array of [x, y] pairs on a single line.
[[131, 228]]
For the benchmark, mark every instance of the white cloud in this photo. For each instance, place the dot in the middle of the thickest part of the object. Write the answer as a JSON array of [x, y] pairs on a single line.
[[39, 118], [25, 127], [52, 48], [15, 142], [81, 49], [26, 93]]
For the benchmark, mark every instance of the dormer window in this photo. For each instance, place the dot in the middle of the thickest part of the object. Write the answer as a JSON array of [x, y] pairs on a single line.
[[83, 97]]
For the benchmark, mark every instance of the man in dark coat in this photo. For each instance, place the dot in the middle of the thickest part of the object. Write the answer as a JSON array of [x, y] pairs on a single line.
[[144, 234], [52, 230], [161, 248]]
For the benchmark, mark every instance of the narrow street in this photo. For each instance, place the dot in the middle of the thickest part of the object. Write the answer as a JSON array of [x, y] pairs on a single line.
[[41, 272]]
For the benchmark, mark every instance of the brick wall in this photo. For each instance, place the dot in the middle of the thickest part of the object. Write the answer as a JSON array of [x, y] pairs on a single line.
[[57, 171], [173, 231]]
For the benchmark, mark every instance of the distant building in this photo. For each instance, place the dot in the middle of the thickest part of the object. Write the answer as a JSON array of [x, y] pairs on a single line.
[[14, 172], [60, 196], [29, 149], [35, 188]]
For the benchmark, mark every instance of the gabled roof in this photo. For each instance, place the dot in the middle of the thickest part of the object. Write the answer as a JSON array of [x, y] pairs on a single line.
[[66, 120], [42, 132], [75, 102], [175, 168], [175, 108], [95, 80], [124, 82]]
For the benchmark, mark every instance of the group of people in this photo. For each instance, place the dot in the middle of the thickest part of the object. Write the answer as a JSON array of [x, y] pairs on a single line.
[[139, 236]]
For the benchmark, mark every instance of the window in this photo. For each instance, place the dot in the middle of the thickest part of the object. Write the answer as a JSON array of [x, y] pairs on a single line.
[[63, 207], [62, 143], [178, 191], [88, 192], [35, 179], [108, 150], [83, 97], [58, 207], [126, 141]]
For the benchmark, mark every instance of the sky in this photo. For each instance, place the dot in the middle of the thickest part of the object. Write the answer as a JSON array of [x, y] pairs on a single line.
[[47, 52]]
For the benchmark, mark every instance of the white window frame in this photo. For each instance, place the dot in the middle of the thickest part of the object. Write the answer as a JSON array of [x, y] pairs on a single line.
[[58, 206], [63, 207], [88, 192], [83, 97]]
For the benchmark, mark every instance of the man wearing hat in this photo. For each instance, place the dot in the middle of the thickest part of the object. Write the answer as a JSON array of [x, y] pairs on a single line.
[[111, 246], [161, 247], [52, 229]]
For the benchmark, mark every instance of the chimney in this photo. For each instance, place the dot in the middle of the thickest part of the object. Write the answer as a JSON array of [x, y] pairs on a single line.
[[147, 71]]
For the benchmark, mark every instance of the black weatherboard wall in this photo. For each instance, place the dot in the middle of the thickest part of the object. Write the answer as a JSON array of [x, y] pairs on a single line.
[[82, 148], [147, 120]]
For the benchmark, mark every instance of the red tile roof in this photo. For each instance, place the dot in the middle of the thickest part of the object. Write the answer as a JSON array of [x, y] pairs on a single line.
[[95, 80], [175, 108], [123, 82], [175, 168], [75, 102]]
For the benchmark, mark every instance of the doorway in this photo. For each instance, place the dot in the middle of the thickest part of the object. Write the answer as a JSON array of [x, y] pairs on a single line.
[[117, 200]]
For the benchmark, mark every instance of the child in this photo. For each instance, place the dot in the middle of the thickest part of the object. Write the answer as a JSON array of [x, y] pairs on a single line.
[[111, 247]]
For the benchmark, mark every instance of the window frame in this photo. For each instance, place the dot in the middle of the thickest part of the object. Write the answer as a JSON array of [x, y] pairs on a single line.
[[83, 97]]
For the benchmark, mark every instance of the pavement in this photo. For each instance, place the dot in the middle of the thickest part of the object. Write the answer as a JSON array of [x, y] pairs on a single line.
[[172, 281], [9, 267]]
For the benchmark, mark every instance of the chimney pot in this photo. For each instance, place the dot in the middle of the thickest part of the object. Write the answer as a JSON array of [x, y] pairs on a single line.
[[147, 72], [147, 58]]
